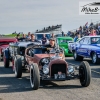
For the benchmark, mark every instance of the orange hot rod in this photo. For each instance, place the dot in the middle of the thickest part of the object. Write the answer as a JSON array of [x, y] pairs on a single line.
[[49, 64]]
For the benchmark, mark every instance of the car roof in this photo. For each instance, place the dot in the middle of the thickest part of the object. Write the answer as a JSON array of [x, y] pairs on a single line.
[[92, 36], [42, 33], [21, 44], [7, 39], [64, 37]]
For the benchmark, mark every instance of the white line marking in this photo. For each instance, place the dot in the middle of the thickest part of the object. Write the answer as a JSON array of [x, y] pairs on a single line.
[[95, 71]]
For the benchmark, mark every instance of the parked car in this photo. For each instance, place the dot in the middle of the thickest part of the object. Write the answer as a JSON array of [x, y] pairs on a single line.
[[72, 44], [58, 35], [40, 35], [4, 43], [63, 43], [50, 66], [88, 47]]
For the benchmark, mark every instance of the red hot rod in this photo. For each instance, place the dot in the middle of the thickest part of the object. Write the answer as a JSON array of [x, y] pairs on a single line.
[[51, 65], [4, 43]]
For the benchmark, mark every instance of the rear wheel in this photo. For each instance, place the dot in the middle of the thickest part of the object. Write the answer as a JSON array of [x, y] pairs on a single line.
[[95, 59], [6, 62], [0, 58], [77, 57], [18, 67], [34, 76], [85, 74], [13, 63]]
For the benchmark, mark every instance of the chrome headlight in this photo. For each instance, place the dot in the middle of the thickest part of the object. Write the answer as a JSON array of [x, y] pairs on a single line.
[[22, 57], [45, 69], [70, 69], [45, 60]]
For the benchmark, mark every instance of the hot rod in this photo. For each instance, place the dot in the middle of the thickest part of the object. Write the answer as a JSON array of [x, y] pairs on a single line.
[[49, 64]]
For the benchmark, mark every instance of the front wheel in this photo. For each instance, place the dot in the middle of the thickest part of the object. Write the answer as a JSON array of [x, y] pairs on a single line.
[[6, 62], [85, 74], [18, 67], [95, 59], [77, 57], [1, 58], [34, 76]]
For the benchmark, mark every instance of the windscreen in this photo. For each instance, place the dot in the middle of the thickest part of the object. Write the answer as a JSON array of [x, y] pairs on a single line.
[[65, 40], [95, 40], [39, 36]]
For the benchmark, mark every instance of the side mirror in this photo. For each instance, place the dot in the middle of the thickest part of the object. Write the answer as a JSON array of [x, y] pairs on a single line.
[[32, 53]]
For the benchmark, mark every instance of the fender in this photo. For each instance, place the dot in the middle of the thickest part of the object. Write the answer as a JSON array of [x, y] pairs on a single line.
[[6, 53]]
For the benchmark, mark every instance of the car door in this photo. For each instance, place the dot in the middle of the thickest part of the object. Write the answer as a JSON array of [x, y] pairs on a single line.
[[78, 47], [84, 47]]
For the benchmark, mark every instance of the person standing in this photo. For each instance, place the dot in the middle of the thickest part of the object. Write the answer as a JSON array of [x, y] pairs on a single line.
[[52, 36], [93, 33], [62, 33], [44, 39], [33, 38], [29, 36], [18, 37]]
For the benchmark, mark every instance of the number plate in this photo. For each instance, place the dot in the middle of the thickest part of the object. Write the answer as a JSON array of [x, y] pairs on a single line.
[[59, 76]]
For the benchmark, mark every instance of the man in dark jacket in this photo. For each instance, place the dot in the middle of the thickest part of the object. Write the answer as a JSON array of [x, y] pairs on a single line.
[[50, 46], [51, 43], [44, 39], [33, 38]]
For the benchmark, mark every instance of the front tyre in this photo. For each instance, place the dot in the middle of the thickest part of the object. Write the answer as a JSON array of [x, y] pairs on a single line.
[[6, 62], [95, 59], [85, 74], [34, 76], [18, 67], [77, 57], [1, 58]]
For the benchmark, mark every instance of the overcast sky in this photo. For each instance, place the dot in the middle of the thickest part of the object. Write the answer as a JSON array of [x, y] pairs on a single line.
[[30, 15]]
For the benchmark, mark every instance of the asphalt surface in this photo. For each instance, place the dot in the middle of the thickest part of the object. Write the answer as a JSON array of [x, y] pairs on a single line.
[[12, 88]]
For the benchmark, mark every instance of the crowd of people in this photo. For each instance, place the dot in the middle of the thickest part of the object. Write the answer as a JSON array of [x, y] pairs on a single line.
[[32, 38], [87, 30], [24, 37], [49, 28]]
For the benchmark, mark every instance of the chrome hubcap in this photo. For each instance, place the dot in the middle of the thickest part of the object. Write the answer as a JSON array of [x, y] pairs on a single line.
[[31, 77], [15, 67], [94, 58], [75, 55]]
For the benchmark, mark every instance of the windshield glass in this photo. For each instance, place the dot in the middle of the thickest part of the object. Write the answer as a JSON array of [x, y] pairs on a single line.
[[65, 40], [37, 51], [39, 36], [42, 50], [95, 40]]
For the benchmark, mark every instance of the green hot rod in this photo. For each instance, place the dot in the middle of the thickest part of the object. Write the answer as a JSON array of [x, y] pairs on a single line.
[[63, 43]]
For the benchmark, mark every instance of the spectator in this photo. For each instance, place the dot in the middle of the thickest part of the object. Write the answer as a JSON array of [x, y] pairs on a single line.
[[44, 39], [76, 37], [23, 37], [93, 33], [99, 27], [18, 37], [69, 33], [52, 36], [29, 36], [62, 33], [80, 31], [33, 38]]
